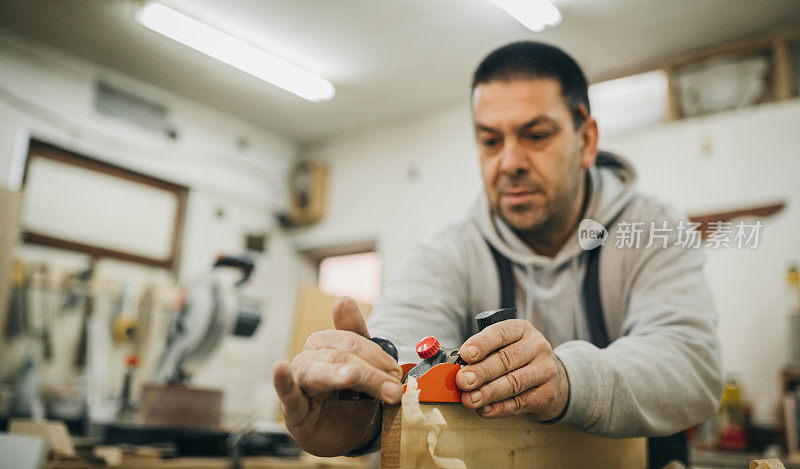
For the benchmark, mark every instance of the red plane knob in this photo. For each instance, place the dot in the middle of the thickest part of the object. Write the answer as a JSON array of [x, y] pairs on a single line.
[[428, 347]]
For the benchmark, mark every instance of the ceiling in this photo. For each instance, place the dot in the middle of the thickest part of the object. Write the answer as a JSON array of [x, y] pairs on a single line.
[[387, 59]]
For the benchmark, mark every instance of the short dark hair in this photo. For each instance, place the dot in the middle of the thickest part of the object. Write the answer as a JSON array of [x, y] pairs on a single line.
[[531, 59]]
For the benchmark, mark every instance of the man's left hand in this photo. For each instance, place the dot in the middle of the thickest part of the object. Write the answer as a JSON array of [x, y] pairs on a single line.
[[512, 370]]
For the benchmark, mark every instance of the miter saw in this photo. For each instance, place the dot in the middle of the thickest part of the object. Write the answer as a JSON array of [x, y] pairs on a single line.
[[184, 418], [206, 312]]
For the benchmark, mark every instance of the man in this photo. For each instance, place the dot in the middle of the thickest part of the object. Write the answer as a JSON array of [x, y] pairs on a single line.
[[620, 345]]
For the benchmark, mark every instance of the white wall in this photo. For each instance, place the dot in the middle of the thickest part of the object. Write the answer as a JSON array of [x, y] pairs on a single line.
[[397, 183], [727, 161], [719, 162], [49, 94]]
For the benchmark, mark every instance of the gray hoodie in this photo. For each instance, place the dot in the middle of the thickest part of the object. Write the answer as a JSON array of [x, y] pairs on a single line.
[[660, 374]]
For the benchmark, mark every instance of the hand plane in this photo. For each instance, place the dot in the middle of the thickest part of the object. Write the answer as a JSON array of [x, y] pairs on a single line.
[[436, 372]]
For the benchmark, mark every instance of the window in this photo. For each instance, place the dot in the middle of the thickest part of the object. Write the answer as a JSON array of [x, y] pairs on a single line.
[[357, 275], [630, 103], [134, 217]]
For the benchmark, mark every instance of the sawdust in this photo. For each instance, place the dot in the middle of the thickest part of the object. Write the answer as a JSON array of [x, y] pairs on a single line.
[[433, 420]]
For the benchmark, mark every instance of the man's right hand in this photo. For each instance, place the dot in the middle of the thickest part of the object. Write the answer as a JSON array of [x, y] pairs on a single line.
[[333, 360]]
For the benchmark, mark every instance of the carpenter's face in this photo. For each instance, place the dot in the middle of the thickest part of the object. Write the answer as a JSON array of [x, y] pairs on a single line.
[[531, 154]]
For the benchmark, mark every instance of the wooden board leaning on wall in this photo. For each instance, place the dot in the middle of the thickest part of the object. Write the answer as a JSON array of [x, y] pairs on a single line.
[[313, 313]]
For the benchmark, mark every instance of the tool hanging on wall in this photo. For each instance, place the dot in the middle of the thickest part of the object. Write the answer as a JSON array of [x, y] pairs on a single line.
[[17, 318], [74, 288], [88, 308], [124, 320], [144, 314], [41, 307], [127, 410]]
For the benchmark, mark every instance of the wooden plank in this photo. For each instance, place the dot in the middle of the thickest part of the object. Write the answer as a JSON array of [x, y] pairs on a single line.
[[9, 207], [316, 255], [766, 464], [760, 211], [516, 442], [180, 406], [335, 462], [781, 70], [673, 100], [111, 455], [55, 432], [391, 431], [313, 314]]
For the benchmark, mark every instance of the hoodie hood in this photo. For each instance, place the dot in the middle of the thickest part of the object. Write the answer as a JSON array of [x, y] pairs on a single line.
[[612, 185]]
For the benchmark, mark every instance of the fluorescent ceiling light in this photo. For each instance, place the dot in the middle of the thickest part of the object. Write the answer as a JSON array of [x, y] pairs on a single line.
[[535, 15], [234, 52]]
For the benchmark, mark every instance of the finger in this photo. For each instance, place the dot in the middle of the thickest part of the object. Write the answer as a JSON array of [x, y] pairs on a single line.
[[492, 338], [509, 385], [329, 370], [293, 401], [347, 317], [501, 362], [347, 341], [532, 401]]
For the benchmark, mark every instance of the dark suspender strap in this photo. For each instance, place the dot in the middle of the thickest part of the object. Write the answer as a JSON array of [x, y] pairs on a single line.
[[507, 294], [660, 450], [591, 293], [591, 300]]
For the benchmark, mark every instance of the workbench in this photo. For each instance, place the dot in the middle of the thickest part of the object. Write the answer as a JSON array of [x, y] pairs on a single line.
[[305, 462]]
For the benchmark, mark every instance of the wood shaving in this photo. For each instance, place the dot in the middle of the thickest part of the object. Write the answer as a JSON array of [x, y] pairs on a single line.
[[432, 419]]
